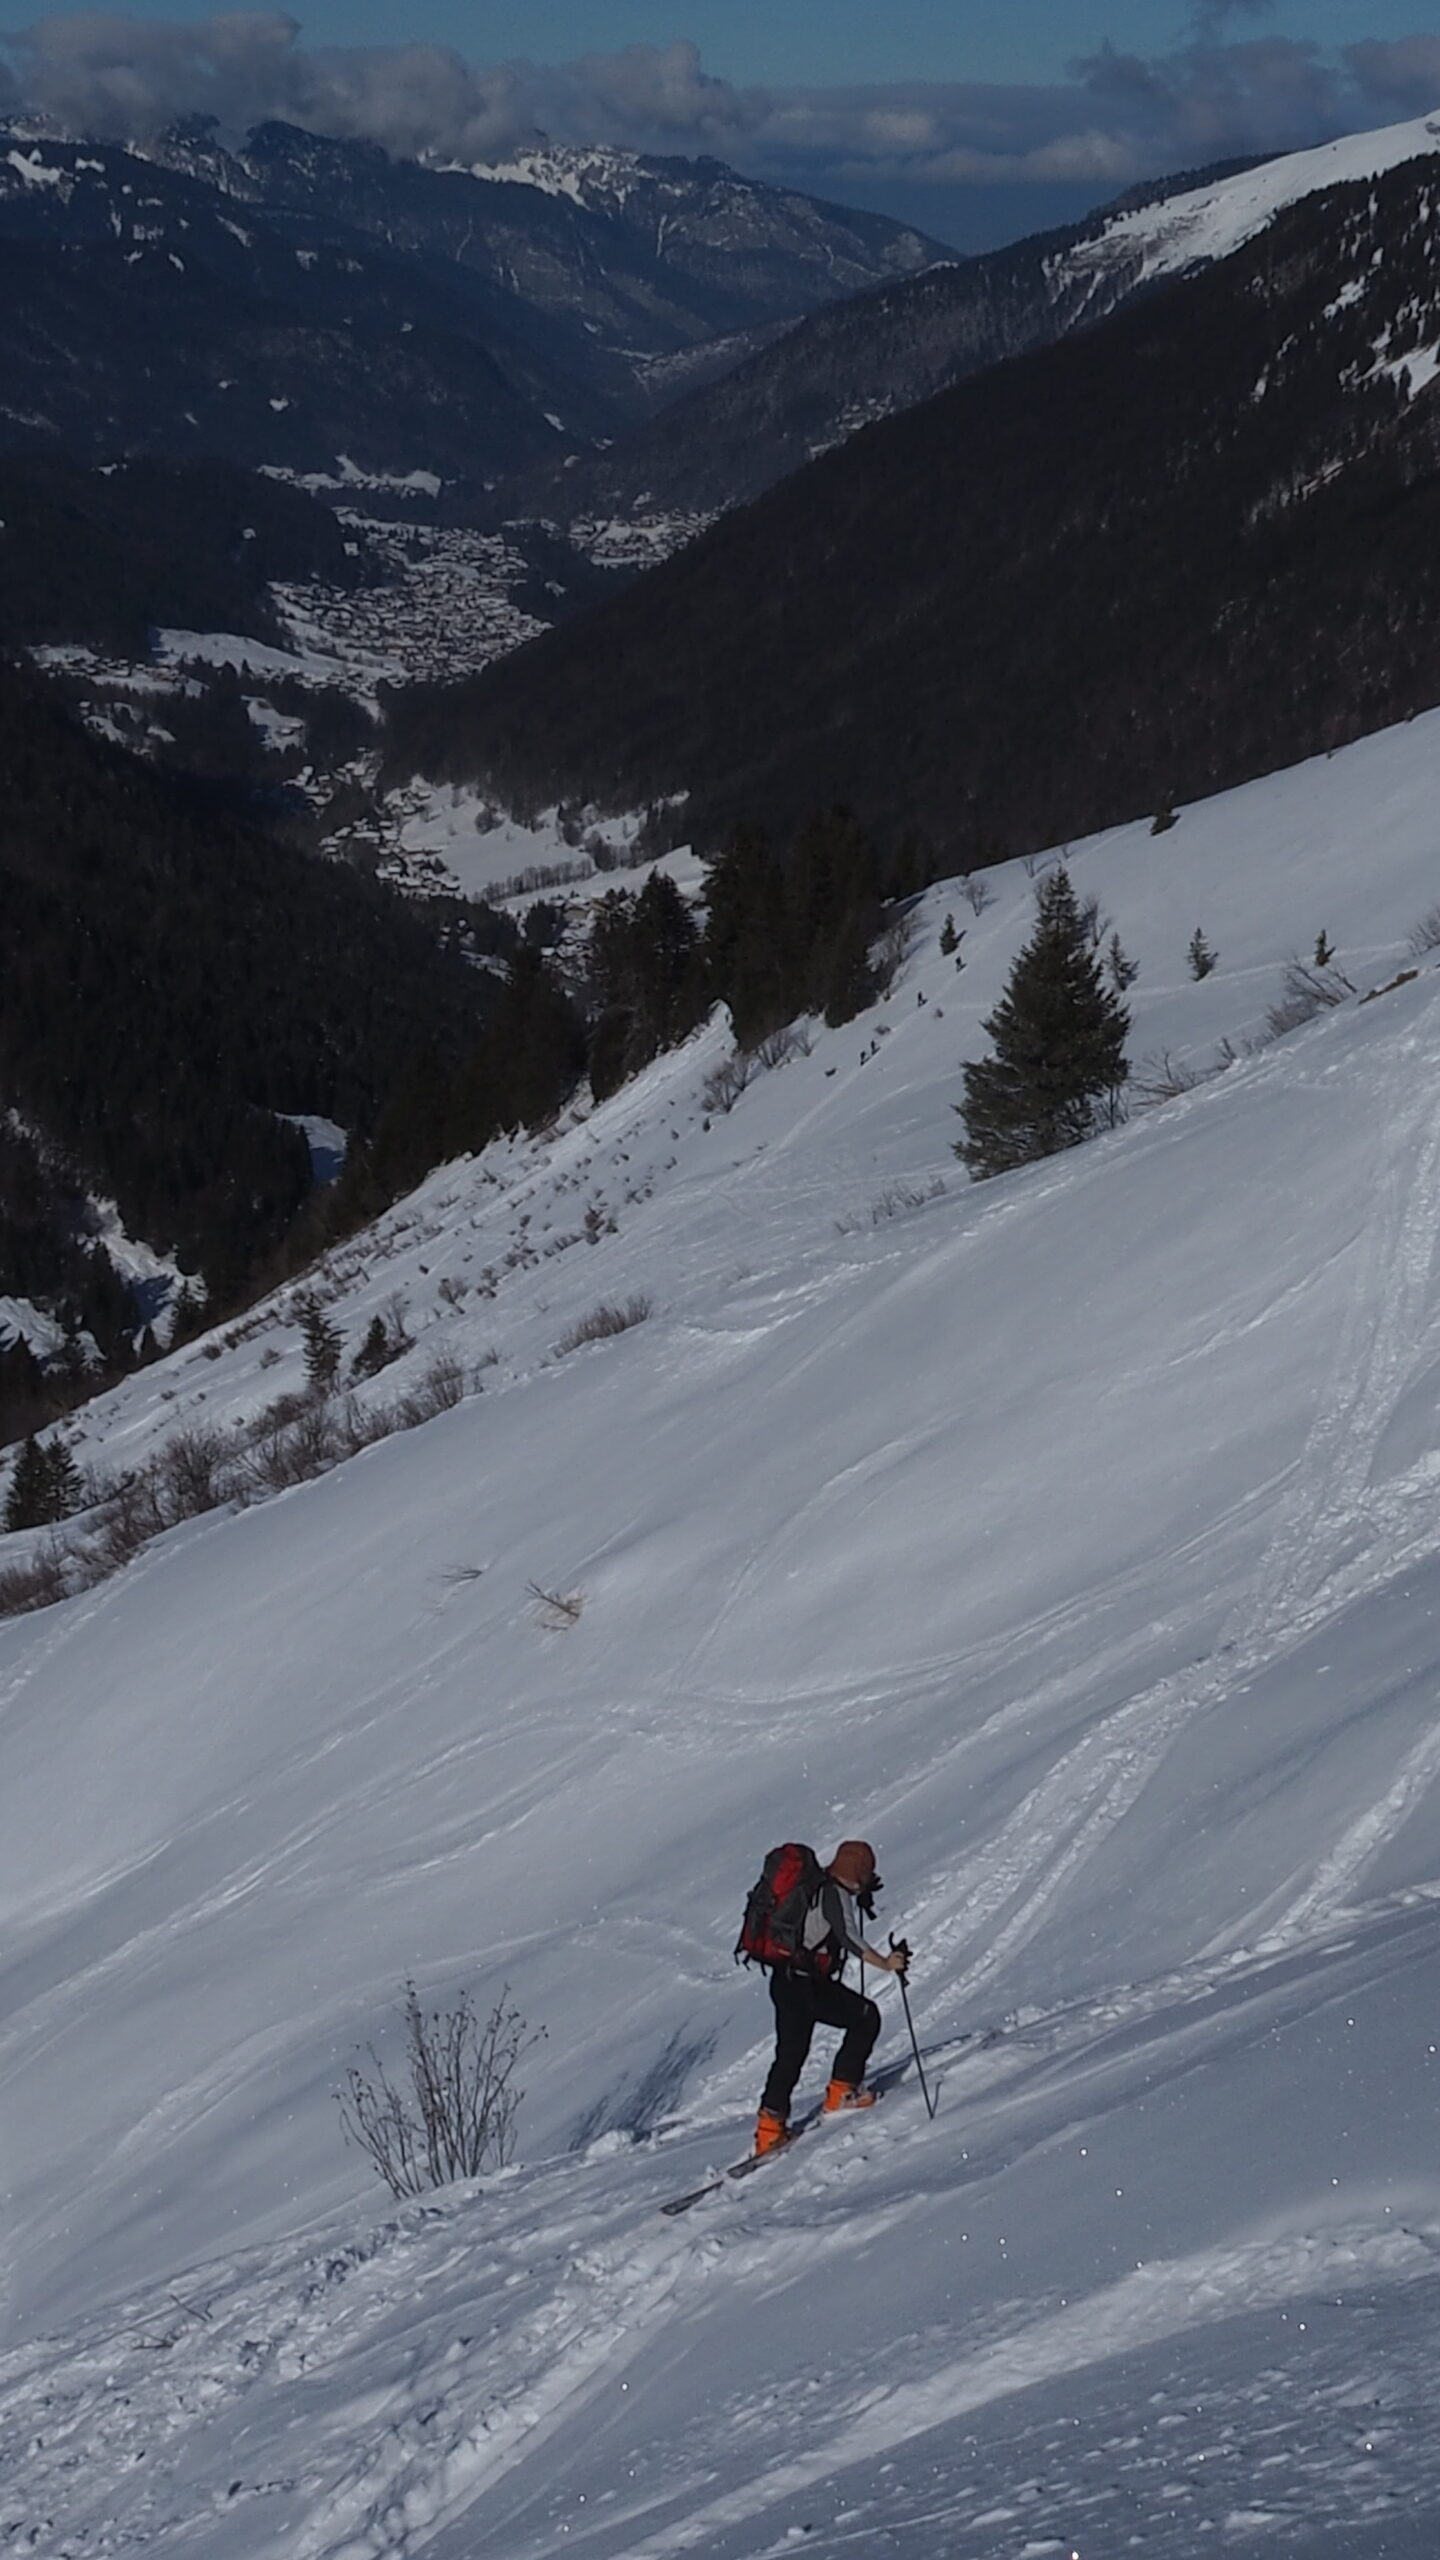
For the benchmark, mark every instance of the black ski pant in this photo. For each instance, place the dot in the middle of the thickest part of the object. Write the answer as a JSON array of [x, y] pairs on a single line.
[[803, 2002]]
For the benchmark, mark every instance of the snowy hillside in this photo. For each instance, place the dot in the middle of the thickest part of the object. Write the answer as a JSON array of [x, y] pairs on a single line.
[[1074, 1537], [1213, 221]]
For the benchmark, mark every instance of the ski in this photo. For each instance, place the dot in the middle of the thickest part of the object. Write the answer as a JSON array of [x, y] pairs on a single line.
[[972, 2040], [740, 2168]]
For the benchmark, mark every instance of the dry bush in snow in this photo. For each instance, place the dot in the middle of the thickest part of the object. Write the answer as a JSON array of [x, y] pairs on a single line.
[[1307, 991], [440, 1385], [726, 1082], [601, 1322], [900, 1197], [452, 2113]]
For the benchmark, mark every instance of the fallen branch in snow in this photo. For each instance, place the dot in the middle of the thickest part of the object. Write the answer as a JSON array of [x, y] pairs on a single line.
[[558, 1608]]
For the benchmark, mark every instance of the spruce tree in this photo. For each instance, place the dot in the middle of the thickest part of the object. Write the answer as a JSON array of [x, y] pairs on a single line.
[[45, 1486], [669, 977], [323, 1346], [374, 1351], [747, 946], [1121, 970], [1059, 1036]]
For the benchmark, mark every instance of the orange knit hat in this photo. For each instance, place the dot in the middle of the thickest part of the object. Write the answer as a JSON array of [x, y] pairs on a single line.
[[853, 1865]]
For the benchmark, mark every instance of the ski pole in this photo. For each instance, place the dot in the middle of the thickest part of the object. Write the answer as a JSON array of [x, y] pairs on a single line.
[[914, 2039]]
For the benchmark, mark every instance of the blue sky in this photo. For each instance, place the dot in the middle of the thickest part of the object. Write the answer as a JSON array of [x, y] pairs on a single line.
[[809, 41], [974, 120]]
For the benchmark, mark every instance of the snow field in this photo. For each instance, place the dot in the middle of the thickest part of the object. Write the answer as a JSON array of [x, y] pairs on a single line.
[[1071, 1536], [1214, 221]]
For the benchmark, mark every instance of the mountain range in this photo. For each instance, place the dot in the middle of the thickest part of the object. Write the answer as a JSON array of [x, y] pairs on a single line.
[[1173, 524], [300, 303], [1175, 549]]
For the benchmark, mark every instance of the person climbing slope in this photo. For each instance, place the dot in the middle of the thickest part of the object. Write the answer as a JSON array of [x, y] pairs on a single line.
[[801, 1922]]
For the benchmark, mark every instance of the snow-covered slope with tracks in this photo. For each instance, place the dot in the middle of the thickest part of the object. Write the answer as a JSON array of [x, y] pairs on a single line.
[[1213, 221], [1074, 1536]]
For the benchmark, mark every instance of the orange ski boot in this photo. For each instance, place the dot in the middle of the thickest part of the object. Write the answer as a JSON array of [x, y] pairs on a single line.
[[771, 2133], [847, 2094]]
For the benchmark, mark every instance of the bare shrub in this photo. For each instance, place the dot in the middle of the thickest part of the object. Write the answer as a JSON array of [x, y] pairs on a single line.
[[127, 1519], [286, 1409], [44, 1578], [1161, 1078], [1306, 992], [440, 1386], [792, 1040], [977, 892], [557, 1609], [356, 1426], [726, 1082], [456, 2117], [900, 1197], [1425, 936], [601, 1322], [291, 1445], [194, 1472]]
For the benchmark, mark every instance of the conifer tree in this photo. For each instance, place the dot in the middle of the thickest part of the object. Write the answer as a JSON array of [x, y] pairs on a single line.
[[1121, 970], [1059, 1036], [44, 1486], [1199, 955], [668, 973], [747, 936], [374, 1351], [323, 1346]]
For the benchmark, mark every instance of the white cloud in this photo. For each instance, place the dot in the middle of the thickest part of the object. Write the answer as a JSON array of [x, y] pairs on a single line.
[[1120, 116]]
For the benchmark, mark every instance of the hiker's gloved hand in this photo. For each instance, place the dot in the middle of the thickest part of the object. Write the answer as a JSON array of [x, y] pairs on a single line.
[[899, 1961]]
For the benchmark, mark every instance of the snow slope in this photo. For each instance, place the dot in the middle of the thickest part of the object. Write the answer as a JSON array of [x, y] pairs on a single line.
[[1075, 1537], [1213, 221]]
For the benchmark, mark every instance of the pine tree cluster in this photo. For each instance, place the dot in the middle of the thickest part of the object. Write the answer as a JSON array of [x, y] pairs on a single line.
[[45, 1486]]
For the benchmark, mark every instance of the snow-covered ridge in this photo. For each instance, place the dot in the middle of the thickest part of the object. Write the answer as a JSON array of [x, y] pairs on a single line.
[[556, 169], [1074, 1536], [1212, 222]]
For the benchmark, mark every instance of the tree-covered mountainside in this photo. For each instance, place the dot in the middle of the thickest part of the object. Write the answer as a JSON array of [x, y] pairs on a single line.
[[848, 364], [1194, 544], [170, 983], [104, 556]]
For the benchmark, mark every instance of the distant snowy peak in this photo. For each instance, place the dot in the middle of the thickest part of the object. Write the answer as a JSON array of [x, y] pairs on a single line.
[[1213, 221], [595, 178]]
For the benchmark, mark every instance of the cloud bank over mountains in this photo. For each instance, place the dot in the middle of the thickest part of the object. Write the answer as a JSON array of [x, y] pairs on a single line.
[[1117, 118]]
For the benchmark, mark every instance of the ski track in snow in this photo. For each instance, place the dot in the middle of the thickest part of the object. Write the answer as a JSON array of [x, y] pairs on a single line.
[[1089, 1790], [371, 2398], [1150, 2306]]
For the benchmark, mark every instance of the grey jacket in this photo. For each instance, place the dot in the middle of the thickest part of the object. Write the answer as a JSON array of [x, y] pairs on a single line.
[[832, 1922]]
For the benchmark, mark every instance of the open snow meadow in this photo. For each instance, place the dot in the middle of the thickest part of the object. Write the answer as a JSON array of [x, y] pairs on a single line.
[[1075, 1537]]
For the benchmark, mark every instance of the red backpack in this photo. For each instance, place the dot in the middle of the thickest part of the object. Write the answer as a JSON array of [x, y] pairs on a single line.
[[781, 1897]]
